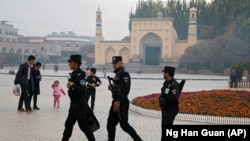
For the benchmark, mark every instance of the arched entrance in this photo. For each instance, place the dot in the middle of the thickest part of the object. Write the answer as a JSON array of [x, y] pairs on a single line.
[[125, 53], [109, 53], [151, 46]]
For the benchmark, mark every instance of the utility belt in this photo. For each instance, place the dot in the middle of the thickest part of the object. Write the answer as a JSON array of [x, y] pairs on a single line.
[[164, 103]]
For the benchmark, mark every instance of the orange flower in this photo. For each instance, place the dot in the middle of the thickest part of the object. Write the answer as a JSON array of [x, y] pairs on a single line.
[[214, 102]]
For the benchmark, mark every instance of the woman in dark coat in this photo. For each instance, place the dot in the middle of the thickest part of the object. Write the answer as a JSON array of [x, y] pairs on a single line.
[[36, 79]]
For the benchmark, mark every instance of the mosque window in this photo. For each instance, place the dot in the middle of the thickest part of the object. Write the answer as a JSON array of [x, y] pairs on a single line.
[[193, 16], [67, 44], [98, 17], [0, 32], [77, 45]]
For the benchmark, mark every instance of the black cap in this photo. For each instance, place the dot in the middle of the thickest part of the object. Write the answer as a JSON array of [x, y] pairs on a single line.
[[93, 70], [169, 69], [76, 58], [116, 59]]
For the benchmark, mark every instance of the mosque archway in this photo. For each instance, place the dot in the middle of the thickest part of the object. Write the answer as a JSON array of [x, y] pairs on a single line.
[[151, 47], [125, 53], [109, 53]]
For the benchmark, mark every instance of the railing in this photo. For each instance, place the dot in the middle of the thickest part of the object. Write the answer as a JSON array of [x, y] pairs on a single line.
[[193, 117], [240, 84]]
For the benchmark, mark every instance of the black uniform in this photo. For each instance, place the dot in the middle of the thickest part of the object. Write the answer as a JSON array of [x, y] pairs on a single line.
[[169, 103], [91, 91], [35, 74], [122, 84], [78, 110]]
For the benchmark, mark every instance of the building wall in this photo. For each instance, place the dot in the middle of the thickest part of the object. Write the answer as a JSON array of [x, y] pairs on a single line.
[[107, 49], [7, 32], [180, 46], [159, 28]]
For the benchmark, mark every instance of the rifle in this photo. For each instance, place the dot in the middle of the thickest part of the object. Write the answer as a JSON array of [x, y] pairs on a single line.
[[112, 84]]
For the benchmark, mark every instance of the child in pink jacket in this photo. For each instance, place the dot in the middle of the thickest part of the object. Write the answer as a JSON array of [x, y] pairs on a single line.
[[57, 92]]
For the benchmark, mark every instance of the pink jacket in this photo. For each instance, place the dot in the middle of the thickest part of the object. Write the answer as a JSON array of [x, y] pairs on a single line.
[[57, 90]]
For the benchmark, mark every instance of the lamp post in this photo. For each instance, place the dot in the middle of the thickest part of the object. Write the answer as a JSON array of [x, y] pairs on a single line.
[[1, 61]]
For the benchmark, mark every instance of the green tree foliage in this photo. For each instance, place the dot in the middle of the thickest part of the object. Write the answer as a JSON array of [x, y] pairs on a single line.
[[225, 49], [86, 49]]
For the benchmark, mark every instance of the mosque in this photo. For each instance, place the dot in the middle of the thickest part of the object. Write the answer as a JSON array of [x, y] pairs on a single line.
[[153, 41]]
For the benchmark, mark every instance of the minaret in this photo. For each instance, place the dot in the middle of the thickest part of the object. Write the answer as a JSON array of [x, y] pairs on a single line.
[[192, 28], [98, 36], [99, 23]]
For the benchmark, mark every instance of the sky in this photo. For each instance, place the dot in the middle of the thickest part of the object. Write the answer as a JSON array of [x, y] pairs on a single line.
[[41, 17]]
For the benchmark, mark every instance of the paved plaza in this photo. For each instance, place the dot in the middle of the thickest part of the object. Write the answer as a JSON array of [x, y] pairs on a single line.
[[47, 124]]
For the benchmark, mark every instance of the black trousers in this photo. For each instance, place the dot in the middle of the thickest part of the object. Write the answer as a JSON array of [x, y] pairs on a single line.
[[168, 116], [34, 99], [24, 98], [120, 117], [91, 94], [78, 114]]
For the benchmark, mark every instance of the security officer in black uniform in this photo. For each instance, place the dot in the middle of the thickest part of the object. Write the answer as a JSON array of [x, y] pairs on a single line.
[[120, 105], [169, 99], [78, 110]]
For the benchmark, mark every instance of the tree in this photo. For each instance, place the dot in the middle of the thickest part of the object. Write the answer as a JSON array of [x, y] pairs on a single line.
[[86, 49], [12, 58]]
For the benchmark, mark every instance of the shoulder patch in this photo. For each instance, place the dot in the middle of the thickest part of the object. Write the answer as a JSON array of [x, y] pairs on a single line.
[[82, 82]]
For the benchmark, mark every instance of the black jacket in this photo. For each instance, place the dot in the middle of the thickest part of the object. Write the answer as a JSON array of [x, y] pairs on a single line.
[[123, 83], [22, 76], [36, 81], [170, 93], [77, 92], [93, 79]]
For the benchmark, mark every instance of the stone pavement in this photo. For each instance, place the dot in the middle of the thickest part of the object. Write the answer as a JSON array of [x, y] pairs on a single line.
[[47, 124]]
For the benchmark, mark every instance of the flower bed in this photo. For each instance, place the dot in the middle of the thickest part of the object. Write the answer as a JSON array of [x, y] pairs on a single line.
[[214, 102]]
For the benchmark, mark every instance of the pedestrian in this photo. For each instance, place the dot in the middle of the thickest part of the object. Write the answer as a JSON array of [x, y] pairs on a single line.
[[43, 67], [233, 79], [37, 77], [57, 92], [104, 71], [56, 68], [92, 82], [24, 78], [78, 110], [169, 99], [88, 72], [118, 112]]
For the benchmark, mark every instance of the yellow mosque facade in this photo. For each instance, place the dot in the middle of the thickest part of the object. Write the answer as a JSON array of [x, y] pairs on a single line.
[[153, 41]]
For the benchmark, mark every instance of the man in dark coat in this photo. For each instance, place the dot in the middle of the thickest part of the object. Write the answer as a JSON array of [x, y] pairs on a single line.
[[24, 78], [118, 112], [37, 77], [78, 110], [169, 99]]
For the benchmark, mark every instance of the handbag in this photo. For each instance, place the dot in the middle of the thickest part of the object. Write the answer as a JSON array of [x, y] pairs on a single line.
[[17, 90]]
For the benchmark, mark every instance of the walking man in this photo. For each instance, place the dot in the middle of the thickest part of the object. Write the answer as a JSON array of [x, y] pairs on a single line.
[[78, 110], [169, 99], [37, 77], [120, 105], [92, 81], [24, 78]]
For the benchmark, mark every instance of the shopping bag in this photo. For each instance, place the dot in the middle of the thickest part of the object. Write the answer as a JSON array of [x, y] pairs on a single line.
[[17, 90]]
